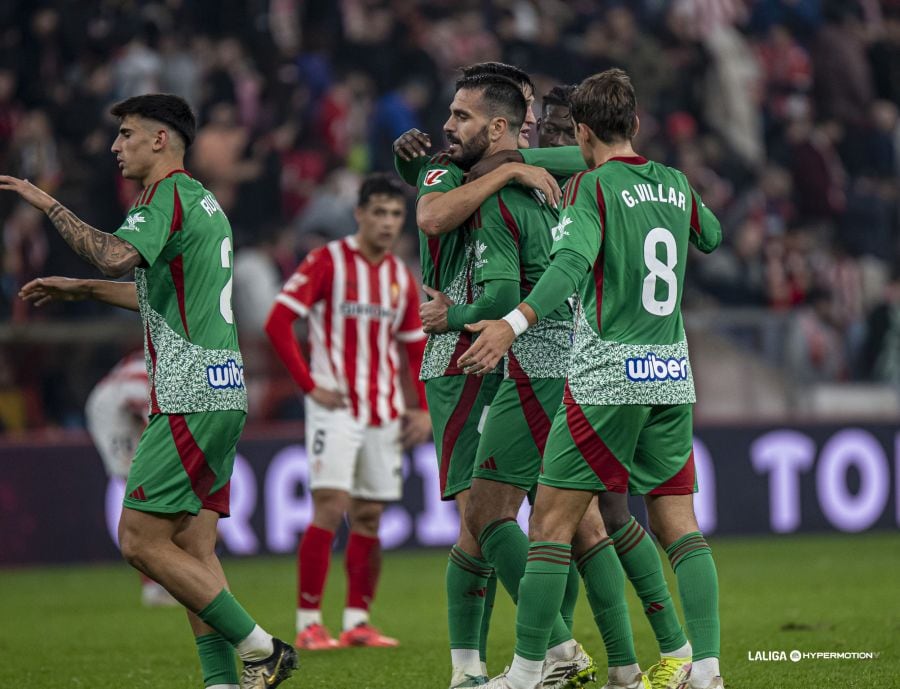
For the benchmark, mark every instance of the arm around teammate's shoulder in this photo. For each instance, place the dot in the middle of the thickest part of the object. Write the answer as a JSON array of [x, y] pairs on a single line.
[[438, 213]]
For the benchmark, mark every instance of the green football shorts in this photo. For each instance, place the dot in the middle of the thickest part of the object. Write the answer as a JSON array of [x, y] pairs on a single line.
[[516, 430], [645, 450], [183, 463], [458, 406]]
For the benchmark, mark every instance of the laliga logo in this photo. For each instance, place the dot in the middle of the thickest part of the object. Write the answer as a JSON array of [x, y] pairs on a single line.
[[227, 375], [650, 367]]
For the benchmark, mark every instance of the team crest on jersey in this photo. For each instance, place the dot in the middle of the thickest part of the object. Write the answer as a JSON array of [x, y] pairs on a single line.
[[432, 177], [132, 220], [559, 231], [480, 248], [395, 291]]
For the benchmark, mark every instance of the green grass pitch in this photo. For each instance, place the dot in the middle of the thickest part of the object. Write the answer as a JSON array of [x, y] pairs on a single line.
[[83, 627]]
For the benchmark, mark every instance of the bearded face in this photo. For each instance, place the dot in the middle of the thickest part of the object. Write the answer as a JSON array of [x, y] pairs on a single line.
[[466, 152]]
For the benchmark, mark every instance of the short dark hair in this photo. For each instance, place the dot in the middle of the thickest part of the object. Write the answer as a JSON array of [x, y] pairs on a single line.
[[379, 183], [163, 107], [605, 102], [558, 95], [502, 96], [500, 69]]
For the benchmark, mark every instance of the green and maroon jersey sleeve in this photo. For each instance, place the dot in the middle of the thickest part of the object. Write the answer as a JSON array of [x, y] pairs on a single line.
[[184, 294], [632, 219], [559, 161], [409, 169], [512, 236], [446, 263]]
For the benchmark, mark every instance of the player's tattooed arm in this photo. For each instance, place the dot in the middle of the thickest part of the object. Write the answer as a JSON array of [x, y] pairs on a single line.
[[107, 252], [113, 256]]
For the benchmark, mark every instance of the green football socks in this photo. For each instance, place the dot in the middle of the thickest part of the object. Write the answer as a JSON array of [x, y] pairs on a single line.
[[467, 580], [570, 598], [505, 546], [541, 592], [490, 593], [698, 587], [216, 660], [604, 582], [226, 616], [640, 559]]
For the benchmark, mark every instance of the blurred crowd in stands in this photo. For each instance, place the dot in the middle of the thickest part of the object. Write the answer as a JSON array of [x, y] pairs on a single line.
[[782, 113]]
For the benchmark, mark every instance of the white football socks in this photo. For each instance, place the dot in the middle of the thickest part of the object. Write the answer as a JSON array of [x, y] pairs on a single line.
[[307, 617], [353, 617], [703, 671], [524, 673], [466, 660], [257, 646]]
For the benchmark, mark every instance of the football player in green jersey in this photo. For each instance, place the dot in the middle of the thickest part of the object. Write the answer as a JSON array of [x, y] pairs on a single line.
[[457, 402], [555, 126], [179, 243], [626, 419], [510, 236]]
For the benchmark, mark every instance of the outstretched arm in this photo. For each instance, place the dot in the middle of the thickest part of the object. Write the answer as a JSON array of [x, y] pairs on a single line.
[[113, 256], [45, 290]]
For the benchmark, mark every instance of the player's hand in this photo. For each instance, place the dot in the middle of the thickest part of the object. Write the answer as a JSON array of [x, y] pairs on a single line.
[[412, 144], [330, 399], [415, 427], [534, 177], [494, 340], [45, 290], [492, 162], [434, 313], [36, 197]]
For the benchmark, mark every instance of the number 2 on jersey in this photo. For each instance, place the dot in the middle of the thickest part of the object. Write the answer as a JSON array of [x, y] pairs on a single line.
[[225, 296], [660, 270]]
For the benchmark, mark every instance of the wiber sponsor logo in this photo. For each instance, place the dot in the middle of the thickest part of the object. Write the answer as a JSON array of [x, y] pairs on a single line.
[[227, 375], [651, 368]]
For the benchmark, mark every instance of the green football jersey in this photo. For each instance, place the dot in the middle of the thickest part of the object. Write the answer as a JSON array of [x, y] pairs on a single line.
[[446, 266], [512, 237], [632, 219], [184, 293]]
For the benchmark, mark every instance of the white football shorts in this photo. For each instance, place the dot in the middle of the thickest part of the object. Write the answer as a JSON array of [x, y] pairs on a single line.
[[365, 461]]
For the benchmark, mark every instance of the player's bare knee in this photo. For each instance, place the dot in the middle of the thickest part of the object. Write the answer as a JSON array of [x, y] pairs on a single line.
[[614, 510], [365, 518], [490, 501], [329, 507], [670, 517], [590, 531]]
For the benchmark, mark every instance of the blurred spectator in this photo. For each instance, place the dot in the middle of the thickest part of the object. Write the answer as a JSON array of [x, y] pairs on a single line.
[[818, 171], [34, 154], [843, 77], [880, 355], [814, 350], [24, 254], [219, 154]]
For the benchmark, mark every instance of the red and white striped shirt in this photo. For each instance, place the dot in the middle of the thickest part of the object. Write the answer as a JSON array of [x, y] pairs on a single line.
[[357, 313]]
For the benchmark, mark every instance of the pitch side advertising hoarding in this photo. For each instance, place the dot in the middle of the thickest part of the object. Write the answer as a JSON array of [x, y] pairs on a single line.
[[57, 505]]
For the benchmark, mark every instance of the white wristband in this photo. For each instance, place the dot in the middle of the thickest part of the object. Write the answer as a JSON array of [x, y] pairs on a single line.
[[517, 321]]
